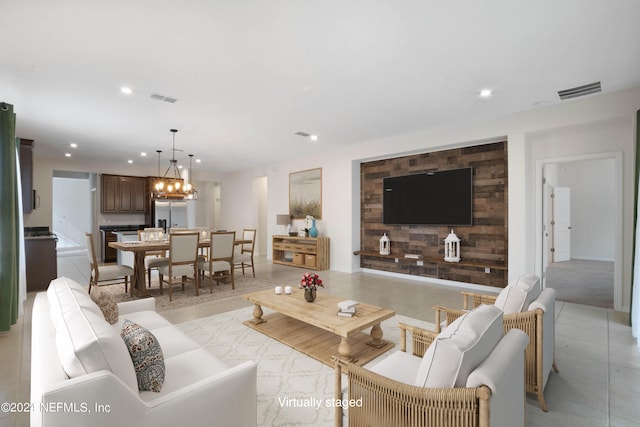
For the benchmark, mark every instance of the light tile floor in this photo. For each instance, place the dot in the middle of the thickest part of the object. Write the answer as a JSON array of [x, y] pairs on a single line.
[[598, 384]]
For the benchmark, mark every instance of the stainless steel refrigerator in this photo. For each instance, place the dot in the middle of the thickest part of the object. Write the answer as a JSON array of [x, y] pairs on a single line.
[[170, 214]]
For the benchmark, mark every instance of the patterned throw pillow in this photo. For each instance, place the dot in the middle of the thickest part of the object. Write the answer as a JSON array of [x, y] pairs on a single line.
[[107, 305], [146, 355]]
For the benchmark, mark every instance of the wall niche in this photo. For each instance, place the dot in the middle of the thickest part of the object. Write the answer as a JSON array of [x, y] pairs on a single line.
[[483, 245]]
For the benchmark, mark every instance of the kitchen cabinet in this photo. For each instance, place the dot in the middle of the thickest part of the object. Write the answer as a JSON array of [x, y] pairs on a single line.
[[26, 174], [108, 254], [40, 262], [124, 194]]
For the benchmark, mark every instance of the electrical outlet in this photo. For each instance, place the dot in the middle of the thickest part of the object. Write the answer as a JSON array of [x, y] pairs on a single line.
[[487, 270], [420, 263]]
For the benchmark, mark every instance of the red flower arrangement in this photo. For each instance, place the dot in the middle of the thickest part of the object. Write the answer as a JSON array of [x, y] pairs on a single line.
[[310, 281]]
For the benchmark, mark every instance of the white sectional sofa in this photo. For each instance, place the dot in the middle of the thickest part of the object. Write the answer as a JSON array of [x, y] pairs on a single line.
[[82, 373]]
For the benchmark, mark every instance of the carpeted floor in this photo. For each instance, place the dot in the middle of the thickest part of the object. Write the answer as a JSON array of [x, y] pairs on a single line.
[[582, 282], [283, 373], [243, 285]]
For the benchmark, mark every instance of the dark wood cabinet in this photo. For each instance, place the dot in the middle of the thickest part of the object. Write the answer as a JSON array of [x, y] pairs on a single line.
[[124, 194], [139, 195], [110, 194], [108, 254], [41, 262], [26, 174]]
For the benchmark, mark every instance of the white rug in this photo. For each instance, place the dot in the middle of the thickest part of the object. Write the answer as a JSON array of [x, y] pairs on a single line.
[[286, 378]]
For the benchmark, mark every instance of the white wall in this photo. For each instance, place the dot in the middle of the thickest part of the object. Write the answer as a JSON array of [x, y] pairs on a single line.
[[593, 201], [531, 135], [243, 204]]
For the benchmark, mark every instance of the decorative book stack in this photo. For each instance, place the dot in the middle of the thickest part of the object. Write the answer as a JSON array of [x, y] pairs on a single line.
[[347, 308]]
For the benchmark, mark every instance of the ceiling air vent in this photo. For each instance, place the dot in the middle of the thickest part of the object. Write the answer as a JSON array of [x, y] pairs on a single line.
[[580, 91], [159, 97]]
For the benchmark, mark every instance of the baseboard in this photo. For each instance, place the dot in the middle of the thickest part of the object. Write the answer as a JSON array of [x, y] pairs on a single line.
[[591, 259], [433, 280]]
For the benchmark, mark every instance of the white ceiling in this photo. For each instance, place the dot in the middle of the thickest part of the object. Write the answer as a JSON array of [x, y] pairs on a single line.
[[248, 74]]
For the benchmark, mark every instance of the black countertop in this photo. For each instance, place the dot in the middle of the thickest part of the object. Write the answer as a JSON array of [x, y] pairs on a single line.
[[123, 227]]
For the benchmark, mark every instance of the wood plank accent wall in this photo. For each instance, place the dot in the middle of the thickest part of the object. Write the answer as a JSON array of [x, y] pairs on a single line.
[[484, 244]]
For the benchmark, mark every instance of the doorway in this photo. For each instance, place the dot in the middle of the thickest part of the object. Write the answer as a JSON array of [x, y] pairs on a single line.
[[71, 210], [581, 228]]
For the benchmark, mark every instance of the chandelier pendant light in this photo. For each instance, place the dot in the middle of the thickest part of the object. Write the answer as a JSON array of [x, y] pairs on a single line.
[[171, 183]]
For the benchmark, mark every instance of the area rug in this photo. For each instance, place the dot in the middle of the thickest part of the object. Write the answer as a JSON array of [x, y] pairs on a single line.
[[243, 285], [288, 381]]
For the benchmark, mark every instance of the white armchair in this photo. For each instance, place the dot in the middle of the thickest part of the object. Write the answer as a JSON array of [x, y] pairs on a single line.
[[468, 375], [529, 309]]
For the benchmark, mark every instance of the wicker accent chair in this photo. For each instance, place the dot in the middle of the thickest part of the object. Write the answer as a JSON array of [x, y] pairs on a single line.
[[493, 395], [537, 319]]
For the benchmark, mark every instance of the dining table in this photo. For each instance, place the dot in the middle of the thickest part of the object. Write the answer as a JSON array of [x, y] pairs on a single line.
[[140, 248]]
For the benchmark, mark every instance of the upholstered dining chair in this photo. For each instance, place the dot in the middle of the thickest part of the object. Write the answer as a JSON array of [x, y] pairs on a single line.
[[153, 259], [204, 250], [102, 274], [220, 263], [183, 261], [245, 257]]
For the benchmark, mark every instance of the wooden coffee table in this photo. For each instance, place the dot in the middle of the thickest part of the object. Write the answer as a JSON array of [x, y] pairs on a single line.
[[316, 330]]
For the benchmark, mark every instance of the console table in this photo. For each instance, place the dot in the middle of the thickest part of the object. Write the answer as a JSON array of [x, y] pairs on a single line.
[[308, 252]]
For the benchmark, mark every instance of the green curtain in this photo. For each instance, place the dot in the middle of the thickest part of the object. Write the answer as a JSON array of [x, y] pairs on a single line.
[[634, 319], [9, 219]]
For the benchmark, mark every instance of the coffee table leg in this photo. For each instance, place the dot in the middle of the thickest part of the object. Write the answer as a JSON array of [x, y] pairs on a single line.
[[257, 315], [344, 349], [376, 337]]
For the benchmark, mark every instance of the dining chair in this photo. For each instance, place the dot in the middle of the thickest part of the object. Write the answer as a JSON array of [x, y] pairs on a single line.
[[204, 250], [183, 261], [245, 257], [103, 274], [220, 263], [153, 259]]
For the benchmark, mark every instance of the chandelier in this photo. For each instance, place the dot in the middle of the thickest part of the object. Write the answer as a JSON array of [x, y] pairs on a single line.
[[171, 185]]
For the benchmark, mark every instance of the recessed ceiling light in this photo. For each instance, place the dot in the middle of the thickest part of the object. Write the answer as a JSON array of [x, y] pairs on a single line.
[[485, 93], [129, 161], [179, 166], [143, 154], [198, 160], [73, 145], [126, 90], [67, 154], [313, 137]]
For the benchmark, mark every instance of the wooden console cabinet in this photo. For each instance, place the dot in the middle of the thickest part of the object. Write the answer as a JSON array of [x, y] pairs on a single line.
[[308, 252]]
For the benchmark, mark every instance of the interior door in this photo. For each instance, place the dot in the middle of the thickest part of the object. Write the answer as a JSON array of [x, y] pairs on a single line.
[[561, 223]]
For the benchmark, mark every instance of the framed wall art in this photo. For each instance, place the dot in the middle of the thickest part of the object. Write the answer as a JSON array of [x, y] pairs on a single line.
[[305, 193]]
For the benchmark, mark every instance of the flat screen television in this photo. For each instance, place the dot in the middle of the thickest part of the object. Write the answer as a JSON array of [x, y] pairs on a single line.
[[432, 198]]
